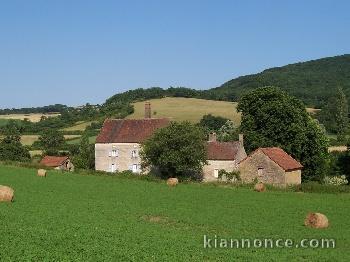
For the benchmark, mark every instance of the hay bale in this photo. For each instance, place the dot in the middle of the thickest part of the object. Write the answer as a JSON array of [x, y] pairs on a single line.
[[259, 187], [6, 194], [316, 220], [42, 172], [172, 181]]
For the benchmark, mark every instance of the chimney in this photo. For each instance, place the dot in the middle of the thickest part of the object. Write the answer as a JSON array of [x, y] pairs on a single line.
[[147, 110], [212, 137], [240, 139]]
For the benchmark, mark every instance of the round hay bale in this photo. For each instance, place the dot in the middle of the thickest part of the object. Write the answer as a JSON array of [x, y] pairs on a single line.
[[259, 187], [316, 220], [42, 172], [172, 181], [6, 194]]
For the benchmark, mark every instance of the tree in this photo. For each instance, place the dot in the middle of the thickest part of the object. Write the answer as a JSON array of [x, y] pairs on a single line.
[[341, 114], [228, 132], [86, 157], [271, 117], [12, 149], [334, 115], [212, 123], [51, 140], [176, 150]]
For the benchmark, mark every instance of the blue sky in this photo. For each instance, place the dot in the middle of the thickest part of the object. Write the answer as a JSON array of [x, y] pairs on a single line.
[[73, 52]]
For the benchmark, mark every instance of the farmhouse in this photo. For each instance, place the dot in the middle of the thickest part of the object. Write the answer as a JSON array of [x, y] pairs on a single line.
[[58, 162], [271, 166], [222, 156], [119, 142]]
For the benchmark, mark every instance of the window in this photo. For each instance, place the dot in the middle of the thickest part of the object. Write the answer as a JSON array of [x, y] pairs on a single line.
[[114, 153], [135, 168], [260, 171], [134, 154], [216, 173], [113, 168]]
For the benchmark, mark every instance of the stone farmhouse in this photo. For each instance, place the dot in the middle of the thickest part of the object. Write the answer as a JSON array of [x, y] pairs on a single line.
[[58, 162], [271, 166], [119, 143], [222, 155]]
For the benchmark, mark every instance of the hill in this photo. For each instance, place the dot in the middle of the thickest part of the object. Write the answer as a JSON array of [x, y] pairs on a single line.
[[113, 218], [313, 81], [190, 109]]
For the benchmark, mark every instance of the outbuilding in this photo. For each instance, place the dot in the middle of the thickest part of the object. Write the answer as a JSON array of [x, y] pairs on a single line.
[[270, 165], [58, 162]]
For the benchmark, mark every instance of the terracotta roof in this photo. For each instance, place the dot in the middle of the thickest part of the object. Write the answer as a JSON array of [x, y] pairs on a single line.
[[129, 130], [222, 150], [53, 161], [281, 158]]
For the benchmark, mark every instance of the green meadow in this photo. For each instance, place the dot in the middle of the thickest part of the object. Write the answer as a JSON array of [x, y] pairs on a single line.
[[75, 217]]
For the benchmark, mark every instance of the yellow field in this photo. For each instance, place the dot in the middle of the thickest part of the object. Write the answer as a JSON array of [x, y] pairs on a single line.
[[35, 153], [190, 109], [28, 140], [79, 126], [30, 117], [312, 111], [337, 148]]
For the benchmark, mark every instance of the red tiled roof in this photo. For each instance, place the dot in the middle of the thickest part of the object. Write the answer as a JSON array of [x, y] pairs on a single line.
[[281, 158], [53, 161], [129, 130], [222, 150]]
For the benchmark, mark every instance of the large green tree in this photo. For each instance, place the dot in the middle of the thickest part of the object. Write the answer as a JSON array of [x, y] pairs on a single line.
[[51, 140], [11, 147], [212, 123], [341, 114], [334, 115], [176, 150], [228, 132], [271, 117], [86, 156]]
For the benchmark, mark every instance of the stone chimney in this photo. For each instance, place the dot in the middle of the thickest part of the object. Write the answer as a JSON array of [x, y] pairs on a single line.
[[212, 137], [240, 139], [147, 110]]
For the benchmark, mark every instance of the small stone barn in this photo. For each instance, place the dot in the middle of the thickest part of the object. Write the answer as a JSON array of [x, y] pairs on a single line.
[[222, 156], [58, 162], [271, 166]]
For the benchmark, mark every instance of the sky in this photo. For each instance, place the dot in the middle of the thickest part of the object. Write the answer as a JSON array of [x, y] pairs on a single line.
[[75, 52]]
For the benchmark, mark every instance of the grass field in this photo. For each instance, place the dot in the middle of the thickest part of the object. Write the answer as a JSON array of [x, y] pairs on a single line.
[[30, 117], [71, 217], [92, 140], [79, 126], [28, 140], [190, 109]]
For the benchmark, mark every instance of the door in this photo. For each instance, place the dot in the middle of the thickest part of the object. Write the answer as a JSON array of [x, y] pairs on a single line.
[[113, 168], [216, 173], [134, 168]]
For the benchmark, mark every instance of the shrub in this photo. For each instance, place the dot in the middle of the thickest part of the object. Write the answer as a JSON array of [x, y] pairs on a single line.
[[336, 180], [315, 187], [176, 150], [229, 176]]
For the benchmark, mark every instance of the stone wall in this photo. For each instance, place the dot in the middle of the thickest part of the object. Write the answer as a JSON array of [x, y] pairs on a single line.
[[241, 154], [270, 173], [293, 177], [208, 170], [104, 158]]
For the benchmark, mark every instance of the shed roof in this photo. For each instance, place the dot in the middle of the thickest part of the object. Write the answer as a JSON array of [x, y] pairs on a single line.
[[222, 150], [53, 161], [280, 157]]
